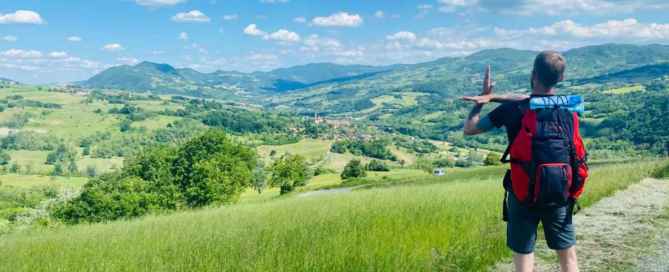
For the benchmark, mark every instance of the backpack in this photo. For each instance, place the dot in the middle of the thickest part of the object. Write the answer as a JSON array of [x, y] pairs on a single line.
[[548, 159]]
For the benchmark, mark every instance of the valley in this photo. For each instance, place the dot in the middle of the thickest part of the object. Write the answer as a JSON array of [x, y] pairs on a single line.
[[225, 171]]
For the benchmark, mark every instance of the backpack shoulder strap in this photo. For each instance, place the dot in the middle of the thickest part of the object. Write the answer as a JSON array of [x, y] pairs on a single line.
[[524, 108]]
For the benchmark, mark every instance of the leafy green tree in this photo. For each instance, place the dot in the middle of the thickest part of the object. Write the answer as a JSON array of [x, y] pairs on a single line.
[[64, 153], [339, 147], [210, 165], [259, 179], [289, 172], [125, 125], [58, 169], [4, 158], [15, 168], [354, 169], [91, 171], [72, 168], [492, 159], [377, 165]]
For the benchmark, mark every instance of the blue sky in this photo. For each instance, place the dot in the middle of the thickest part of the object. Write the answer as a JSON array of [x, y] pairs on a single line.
[[61, 41]]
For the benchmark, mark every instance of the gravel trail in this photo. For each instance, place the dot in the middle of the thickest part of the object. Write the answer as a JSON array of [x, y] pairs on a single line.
[[628, 231]]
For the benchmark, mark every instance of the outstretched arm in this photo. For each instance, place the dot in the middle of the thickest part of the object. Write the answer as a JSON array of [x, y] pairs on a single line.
[[474, 124]]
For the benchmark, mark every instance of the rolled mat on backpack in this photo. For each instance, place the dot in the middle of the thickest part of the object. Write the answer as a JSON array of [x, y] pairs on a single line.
[[573, 103]]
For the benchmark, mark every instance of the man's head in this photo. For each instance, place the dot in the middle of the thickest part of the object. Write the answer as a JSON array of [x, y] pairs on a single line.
[[548, 70]]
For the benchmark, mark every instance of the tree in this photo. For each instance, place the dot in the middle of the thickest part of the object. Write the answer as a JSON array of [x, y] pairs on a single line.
[[63, 153], [353, 169], [259, 178], [492, 159], [125, 125], [213, 168], [72, 168], [377, 165], [4, 158], [288, 172], [91, 171]]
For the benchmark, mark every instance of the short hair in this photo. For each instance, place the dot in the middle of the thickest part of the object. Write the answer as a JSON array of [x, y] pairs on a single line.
[[549, 68]]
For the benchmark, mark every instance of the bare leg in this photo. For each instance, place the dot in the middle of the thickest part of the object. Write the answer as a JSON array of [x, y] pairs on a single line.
[[523, 262], [568, 261]]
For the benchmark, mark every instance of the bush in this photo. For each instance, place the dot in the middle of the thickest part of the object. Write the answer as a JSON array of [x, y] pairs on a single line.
[[322, 171], [377, 165], [207, 169], [4, 157], [110, 197], [289, 172], [353, 169], [492, 159]]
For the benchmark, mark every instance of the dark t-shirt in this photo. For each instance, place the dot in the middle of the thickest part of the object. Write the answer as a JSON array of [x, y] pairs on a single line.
[[509, 115]]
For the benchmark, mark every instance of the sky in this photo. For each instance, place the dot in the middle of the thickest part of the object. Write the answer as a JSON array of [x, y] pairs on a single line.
[[56, 41]]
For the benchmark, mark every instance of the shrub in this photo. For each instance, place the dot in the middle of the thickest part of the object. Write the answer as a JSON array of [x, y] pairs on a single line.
[[492, 159], [377, 165], [353, 169], [207, 169], [289, 172], [4, 157]]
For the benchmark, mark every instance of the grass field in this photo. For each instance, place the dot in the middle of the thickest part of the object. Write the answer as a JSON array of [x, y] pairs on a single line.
[[29, 181], [626, 89], [311, 149], [450, 223]]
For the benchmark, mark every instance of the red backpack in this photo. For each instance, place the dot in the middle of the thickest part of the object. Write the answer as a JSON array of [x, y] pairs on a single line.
[[548, 159]]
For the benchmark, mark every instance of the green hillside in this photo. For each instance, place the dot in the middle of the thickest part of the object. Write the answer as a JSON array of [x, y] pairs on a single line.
[[429, 224]]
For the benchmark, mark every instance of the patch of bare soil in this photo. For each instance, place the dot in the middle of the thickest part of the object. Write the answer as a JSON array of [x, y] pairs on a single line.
[[628, 231]]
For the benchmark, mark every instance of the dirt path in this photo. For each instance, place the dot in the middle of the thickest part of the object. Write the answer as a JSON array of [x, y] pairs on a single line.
[[628, 231]]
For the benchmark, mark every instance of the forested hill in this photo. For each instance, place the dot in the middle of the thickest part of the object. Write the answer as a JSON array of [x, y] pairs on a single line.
[[7, 82], [445, 76], [163, 78]]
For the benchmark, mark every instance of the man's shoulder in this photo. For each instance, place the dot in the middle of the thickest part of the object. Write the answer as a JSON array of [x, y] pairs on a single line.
[[514, 105]]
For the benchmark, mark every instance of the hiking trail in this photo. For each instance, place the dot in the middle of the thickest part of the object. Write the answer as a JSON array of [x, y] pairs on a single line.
[[628, 231]]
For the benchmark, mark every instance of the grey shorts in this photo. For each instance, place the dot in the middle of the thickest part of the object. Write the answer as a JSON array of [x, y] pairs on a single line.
[[521, 228]]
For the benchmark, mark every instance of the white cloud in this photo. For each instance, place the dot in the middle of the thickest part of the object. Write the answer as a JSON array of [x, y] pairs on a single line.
[[379, 14], [341, 19], [253, 30], [183, 36], [21, 17], [74, 39], [193, 16], [113, 47], [453, 5], [230, 17], [10, 38], [21, 54], [274, 1], [615, 30], [402, 35], [300, 20], [158, 3], [58, 55], [284, 36]]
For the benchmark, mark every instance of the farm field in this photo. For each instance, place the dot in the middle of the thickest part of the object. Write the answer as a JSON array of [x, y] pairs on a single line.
[[445, 223]]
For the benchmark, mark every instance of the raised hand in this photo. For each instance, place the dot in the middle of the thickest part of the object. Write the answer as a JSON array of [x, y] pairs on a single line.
[[486, 93]]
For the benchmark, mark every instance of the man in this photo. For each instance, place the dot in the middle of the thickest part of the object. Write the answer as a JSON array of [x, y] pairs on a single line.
[[522, 221]]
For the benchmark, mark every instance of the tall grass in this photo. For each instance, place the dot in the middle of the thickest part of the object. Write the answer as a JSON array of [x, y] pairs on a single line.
[[454, 225]]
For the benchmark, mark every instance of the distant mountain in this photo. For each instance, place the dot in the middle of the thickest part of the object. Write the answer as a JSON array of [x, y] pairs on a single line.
[[333, 88], [8, 82], [449, 77], [148, 76], [636, 75]]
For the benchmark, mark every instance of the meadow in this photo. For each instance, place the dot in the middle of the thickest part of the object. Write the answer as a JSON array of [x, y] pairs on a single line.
[[449, 223]]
